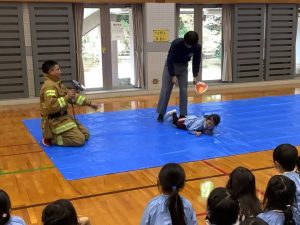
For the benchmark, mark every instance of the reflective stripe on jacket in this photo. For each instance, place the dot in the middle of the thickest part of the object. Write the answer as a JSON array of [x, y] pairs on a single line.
[[54, 101]]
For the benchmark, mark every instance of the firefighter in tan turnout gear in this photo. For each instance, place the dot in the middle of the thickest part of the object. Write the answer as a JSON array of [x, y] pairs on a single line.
[[60, 128]]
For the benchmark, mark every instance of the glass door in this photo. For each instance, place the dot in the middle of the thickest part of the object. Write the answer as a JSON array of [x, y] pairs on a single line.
[[92, 48], [208, 23], [211, 43], [108, 47], [186, 23], [122, 47]]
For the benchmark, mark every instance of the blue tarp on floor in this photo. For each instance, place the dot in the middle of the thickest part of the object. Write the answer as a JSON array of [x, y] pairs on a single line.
[[132, 139]]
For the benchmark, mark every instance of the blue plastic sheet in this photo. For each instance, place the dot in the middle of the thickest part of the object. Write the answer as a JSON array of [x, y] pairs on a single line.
[[132, 139]]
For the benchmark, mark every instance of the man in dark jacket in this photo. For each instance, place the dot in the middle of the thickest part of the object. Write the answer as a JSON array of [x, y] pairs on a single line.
[[176, 72]]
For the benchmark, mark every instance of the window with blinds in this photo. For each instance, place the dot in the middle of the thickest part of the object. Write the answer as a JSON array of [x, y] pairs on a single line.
[[280, 41], [248, 34], [52, 33], [13, 76]]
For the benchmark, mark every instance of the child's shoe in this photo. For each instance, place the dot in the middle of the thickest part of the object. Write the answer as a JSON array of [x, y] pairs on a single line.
[[170, 113]]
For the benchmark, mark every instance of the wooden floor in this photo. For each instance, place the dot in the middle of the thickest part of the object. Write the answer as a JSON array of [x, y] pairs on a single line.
[[32, 180]]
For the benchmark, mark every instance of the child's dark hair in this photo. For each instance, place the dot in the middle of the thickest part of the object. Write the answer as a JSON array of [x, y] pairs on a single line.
[[241, 183], [280, 195], [298, 164], [214, 117], [222, 207], [48, 65], [254, 221], [5, 206], [191, 38], [60, 212], [286, 155], [69, 206], [171, 178]]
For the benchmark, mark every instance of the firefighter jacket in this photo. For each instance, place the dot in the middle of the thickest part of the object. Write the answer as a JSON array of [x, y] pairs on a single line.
[[54, 107]]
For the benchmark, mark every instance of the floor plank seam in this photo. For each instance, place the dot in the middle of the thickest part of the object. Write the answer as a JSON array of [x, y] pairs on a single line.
[[21, 153], [6, 146], [216, 168], [26, 170]]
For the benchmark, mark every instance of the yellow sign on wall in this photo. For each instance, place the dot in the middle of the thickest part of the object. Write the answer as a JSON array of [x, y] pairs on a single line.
[[160, 35]]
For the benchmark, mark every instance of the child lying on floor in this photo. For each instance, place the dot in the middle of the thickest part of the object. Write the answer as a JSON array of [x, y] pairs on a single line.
[[195, 125]]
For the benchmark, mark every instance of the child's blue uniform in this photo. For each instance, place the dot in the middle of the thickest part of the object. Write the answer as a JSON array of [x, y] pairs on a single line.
[[157, 212], [194, 123], [15, 220], [272, 217], [296, 209], [190, 123]]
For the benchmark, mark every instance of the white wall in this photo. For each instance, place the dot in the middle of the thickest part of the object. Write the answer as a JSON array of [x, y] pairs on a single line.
[[28, 50], [158, 16]]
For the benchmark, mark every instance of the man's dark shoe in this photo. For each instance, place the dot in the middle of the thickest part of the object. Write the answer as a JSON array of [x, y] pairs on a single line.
[[160, 118]]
